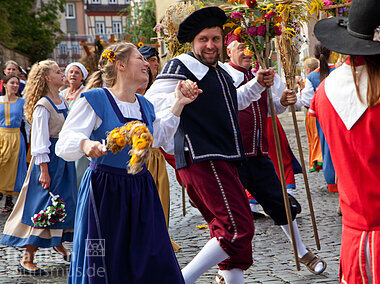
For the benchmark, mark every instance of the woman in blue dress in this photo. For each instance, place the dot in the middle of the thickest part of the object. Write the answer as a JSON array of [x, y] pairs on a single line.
[[46, 111], [313, 80], [120, 230], [12, 143]]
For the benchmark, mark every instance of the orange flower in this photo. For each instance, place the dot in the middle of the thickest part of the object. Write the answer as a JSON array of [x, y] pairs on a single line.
[[248, 52], [140, 44], [134, 138], [133, 160], [140, 144], [278, 19], [121, 141], [114, 131], [128, 127], [237, 31], [115, 135]]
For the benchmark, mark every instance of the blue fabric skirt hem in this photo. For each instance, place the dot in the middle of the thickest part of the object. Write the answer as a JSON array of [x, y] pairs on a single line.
[[13, 241]]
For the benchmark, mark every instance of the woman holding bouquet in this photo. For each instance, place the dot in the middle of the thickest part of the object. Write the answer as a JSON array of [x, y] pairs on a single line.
[[120, 230], [46, 111]]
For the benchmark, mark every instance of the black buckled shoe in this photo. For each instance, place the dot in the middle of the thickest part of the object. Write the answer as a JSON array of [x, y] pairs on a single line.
[[26, 271], [258, 215], [294, 202]]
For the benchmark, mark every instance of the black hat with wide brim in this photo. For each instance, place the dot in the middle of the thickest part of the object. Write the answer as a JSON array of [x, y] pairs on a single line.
[[199, 20], [352, 35]]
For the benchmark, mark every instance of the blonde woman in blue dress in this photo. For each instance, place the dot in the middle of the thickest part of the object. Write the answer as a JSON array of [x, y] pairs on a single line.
[[46, 111], [120, 230]]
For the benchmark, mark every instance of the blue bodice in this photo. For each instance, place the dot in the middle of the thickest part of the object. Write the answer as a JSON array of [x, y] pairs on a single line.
[[106, 108], [11, 113]]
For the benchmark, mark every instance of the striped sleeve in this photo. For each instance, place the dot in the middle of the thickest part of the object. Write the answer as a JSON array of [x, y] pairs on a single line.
[[173, 69]]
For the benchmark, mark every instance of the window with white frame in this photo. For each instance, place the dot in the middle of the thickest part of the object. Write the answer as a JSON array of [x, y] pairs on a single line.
[[127, 1], [100, 28], [62, 48], [112, 1], [70, 11], [96, 2], [116, 27], [75, 49]]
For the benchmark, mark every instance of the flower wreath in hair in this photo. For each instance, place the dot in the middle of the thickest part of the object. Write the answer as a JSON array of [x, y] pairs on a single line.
[[135, 134], [109, 54]]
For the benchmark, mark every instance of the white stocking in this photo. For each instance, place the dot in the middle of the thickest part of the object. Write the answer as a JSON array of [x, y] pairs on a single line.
[[233, 276], [211, 254], [301, 249]]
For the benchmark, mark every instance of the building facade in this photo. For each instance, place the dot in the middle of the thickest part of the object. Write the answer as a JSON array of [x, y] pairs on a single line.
[[84, 20]]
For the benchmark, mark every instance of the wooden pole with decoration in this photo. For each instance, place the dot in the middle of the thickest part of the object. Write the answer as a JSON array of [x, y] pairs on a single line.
[[262, 54], [278, 151], [288, 60]]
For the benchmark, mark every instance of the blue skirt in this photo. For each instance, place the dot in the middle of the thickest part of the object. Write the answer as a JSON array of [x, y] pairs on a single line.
[[21, 166], [63, 183], [328, 167], [19, 230], [120, 233]]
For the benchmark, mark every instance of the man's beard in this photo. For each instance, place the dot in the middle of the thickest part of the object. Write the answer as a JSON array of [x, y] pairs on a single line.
[[208, 61]]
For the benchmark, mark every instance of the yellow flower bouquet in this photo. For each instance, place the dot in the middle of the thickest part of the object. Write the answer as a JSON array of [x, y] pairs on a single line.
[[135, 134]]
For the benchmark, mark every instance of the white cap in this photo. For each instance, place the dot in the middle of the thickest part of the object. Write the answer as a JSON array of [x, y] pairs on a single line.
[[80, 66]]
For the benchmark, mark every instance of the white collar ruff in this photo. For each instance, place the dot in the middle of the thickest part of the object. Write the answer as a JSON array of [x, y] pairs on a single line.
[[196, 67], [341, 92]]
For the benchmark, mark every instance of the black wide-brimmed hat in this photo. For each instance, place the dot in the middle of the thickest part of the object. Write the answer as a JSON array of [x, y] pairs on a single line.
[[357, 34], [199, 20]]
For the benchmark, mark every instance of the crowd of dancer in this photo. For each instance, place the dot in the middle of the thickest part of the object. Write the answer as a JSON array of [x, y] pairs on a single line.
[[51, 145]]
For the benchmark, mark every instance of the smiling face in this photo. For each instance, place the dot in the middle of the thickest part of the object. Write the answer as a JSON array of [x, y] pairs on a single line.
[[137, 68], [237, 56], [207, 46], [75, 76], [11, 69], [11, 87]]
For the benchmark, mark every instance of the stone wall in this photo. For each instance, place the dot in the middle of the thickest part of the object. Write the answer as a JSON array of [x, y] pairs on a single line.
[[7, 53]]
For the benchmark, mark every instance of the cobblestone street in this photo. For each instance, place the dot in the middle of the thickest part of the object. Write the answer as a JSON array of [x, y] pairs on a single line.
[[272, 253]]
